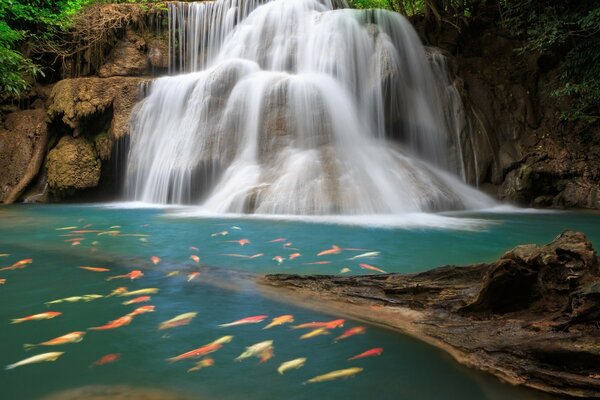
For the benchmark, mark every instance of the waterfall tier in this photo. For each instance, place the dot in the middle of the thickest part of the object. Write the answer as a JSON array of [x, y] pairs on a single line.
[[299, 107]]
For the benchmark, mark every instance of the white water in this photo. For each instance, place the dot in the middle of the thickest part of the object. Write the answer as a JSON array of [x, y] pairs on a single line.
[[292, 109]]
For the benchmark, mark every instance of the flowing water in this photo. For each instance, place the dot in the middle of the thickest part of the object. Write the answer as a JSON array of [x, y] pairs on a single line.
[[298, 107], [124, 239]]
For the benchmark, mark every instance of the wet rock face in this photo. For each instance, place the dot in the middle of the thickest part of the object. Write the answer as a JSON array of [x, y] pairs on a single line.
[[73, 164], [127, 58], [23, 139]]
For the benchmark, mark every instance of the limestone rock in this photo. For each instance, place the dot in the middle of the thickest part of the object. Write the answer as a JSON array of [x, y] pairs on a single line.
[[77, 100], [23, 141], [73, 164], [127, 58]]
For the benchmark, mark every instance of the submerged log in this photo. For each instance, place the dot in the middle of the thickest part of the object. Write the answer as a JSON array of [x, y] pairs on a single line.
[[531, 318]]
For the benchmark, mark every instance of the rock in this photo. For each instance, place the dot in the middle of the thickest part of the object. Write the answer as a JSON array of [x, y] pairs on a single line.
[[75, 101], [116, 392], [127, 58], [158, 51], [529, 318], [23, 140], [73, 164]]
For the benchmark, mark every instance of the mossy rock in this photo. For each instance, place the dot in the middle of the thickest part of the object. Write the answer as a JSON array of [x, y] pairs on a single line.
[[73, 164]]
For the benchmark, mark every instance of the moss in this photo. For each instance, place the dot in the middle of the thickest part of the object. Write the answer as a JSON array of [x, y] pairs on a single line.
[[73, 164]]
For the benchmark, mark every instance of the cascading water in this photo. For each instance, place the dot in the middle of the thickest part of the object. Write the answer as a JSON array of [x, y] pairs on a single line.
[[297, 108]]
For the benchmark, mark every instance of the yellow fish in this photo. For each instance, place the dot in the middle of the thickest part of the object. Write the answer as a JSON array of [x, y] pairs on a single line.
[[139, 292], [340, 373], [205, 362], [172, 273], [293, 364], [179, 320], [73, 337], [53, 356], [283, 319], [223, 340], [316, 332]]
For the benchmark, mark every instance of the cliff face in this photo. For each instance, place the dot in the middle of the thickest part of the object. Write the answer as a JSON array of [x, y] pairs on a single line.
[[525, 154]]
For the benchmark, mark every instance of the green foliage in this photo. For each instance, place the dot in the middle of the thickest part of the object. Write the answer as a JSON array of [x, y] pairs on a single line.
[[568, 29]]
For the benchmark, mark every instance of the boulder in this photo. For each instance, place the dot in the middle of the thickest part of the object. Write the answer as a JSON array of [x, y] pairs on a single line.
[[23, 139], [73, 164]]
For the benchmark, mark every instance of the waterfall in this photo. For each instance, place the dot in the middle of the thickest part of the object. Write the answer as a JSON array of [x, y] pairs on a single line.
[[298, 107]]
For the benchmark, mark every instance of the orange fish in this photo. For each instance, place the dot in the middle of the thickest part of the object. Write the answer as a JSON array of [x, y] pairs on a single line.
[[155, 260], [2, 281], [95, 269], [294, 255], [358, 330], [193, 276], [369, 353], [279, 259], [195, 258], [242, 242], [136, 273], [117, 323], [248, 320], [205, 362], [372, 268], [282, 319], [199, 352], [141, 310], [318, 263], [36, 317], [73, 337], [336, 323], [18, 264], [118, 291], [333, 250], [140, 299], [109, 358], [277, 240], [266, 355]]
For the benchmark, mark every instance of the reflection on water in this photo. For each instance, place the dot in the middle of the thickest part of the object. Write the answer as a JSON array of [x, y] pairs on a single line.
[[109, 238]]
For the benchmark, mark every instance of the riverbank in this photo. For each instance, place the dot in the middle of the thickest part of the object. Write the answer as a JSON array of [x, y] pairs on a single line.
[[530, 318]]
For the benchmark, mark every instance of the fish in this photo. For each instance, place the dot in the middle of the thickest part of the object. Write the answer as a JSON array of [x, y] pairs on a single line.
[[155, 260], [172, 273], [111, 233], [138, 292], [4, 254], [370, 267], [192, 276], [236, 255], [340, 373], [292, 364], [74, 299], [369, 353], [358, 330], [199, 352], [95, 269], [140, 299], [318, 263], [52, 356], [115, 227], [2, 281], [248, 320], [143, 240], [18, 265], [66, 228], [294, 255], [109, 358], [180, 320], [75, 240], [204, 363], [277, 240], [344, 270], [316, 332], [282, 319], [77, 243], [242, 242], [336, 323], [266, 355], [73, 337], [118, 291], [222, 233], [194, 248], [255, 350], [365, 255], [141, 310], [223, 340], [257, 255], [279, 259], [135, 274], [195, 258], [333, 250], [37, 317], [117, 323]]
